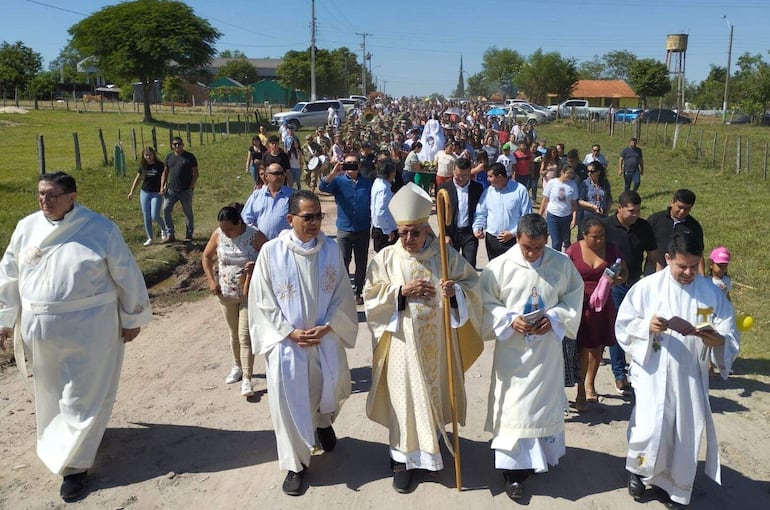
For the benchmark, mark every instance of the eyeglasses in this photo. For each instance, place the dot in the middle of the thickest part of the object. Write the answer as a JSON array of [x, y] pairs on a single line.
[[49, 197], [406, 234], [307, 218], [595, 150]]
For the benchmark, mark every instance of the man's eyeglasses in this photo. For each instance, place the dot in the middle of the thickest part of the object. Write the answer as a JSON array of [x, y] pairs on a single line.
[[406, 234], [49, 197], [307, 218], [595, 150]]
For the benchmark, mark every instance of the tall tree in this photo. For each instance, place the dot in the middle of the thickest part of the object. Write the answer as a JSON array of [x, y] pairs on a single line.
[[477, 86], [337, 72], [232, 54], [66, 65], [751, 84], [617, 64], [18, 66], [239, 69], [145, 40], [500, 67], [649, 78], [590, 69], [42, 85], [545, 73], [710, 92]]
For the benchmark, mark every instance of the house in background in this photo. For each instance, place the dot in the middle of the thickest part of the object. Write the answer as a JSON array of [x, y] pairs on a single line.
[[266, 67], [606, 93]]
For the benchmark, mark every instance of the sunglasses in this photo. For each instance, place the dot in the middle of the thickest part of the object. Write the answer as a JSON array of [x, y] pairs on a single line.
[[406, 234], [307, 218]]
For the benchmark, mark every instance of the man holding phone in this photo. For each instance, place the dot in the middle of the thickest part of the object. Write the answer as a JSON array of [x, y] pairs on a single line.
[[352, 194]]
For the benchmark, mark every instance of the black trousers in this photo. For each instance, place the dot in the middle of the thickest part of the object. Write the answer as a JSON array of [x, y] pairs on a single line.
[[355, 245], [380, 239], [466, 243], [495, 248]]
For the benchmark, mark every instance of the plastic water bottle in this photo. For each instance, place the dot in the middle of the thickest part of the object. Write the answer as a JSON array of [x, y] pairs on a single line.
[[612, 271]]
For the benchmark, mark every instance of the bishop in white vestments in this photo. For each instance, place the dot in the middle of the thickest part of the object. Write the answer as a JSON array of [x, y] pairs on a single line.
[[72, 292], [302, 316], [533, 297], [404, 309], [669, 371]]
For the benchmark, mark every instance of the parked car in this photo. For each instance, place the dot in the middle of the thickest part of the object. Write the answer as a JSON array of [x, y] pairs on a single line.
[[664, 116], [350, 104], [312, 113], [747, 119], [515, 114], [627, 114], [530, 109]]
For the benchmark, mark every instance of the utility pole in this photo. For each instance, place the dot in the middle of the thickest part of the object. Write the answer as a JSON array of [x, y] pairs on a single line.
[[727, 74], [363, 61], [312, 51]]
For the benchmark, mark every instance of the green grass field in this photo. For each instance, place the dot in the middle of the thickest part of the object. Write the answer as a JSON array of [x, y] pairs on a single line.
[[730, 205]]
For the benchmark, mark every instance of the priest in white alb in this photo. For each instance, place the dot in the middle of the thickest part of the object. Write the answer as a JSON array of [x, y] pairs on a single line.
[[302, 316], [71, 295], [669, 371], [533, 297], [403, 298]]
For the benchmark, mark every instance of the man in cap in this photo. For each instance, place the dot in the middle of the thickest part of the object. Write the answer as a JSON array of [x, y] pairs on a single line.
[[302, 317], [404, 308], [507, 159], [533, 297]]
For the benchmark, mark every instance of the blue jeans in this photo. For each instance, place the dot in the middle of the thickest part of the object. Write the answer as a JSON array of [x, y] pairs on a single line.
[[150, 203], [172, 197], [631, 181], [558, 228], [296, 175], [407, 176], [617, 354]]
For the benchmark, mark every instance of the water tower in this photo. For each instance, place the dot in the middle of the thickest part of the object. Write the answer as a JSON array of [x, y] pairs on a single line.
[[676, 56]]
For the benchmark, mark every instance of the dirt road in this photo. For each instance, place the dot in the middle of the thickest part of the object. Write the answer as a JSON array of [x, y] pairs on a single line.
[[181, 438]]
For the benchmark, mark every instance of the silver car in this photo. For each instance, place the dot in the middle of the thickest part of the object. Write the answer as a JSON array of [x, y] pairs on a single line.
[[312, 113]]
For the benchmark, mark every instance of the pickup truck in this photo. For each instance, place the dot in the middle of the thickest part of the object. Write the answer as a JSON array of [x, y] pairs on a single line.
[[580, 109]]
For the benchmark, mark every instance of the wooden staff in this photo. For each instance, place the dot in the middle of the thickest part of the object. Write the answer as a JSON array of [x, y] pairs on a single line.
[[444, 213]]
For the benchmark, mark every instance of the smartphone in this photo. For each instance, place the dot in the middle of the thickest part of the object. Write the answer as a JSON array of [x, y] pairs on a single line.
[[349, 166]]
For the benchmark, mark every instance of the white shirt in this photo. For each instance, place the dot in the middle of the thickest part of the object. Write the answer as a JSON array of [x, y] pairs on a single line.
[[463, 219]]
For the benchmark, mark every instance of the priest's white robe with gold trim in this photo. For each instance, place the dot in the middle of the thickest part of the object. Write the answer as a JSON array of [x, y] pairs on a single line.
[[669, 373]]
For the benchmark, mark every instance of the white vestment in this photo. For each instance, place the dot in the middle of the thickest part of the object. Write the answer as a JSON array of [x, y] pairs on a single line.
[[297, 286], [75, 284], [410, 388], [526, 406], [432, 140], [669, 373]]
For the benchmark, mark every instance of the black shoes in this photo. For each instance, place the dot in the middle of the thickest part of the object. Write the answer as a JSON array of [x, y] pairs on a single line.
[[514, 488], [402, 477], [292, 484], [327, 438], [635, 485], [73, 486], [359, 300]]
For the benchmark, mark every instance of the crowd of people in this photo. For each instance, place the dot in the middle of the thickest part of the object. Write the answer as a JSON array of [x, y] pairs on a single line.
[[286, 293]]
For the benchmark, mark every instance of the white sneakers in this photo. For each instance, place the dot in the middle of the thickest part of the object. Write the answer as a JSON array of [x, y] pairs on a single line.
[[246, 389], [148, 242], [235, 375]]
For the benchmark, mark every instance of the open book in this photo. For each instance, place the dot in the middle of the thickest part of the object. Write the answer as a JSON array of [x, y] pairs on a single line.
[[534, 317], [683, 327]]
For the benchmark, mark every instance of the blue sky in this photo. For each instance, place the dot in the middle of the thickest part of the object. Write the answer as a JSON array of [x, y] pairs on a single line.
[[416, 47]]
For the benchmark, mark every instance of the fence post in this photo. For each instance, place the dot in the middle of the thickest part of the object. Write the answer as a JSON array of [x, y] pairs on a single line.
[[227, 124], [748, 155], [41, 154], [154, 138], [738, 155], [676, 135], [104, 148], [764, 169], [700, 143], [200, 132], [119, 160], [714, 150], [187, 132], [133, 143], [78, 163], [724, 155], [170, 135], [213, 132]]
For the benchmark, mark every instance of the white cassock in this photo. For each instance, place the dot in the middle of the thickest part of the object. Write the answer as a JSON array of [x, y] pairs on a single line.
[[669, 373], [297, 286], [432, 140], [75, 284], [410, 388], [526, 406]]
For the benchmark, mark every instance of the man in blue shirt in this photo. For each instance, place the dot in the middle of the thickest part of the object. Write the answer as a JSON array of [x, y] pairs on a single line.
[[352, 194], [499, 210], [267, 208]]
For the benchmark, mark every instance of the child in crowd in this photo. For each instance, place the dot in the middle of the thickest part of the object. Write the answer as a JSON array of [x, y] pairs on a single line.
[[719, 258]]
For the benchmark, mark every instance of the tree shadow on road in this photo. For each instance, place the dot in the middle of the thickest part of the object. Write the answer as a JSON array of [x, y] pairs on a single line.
[[133, 455]]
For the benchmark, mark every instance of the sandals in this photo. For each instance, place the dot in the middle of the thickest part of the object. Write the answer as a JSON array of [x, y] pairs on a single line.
[[592, 397]]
